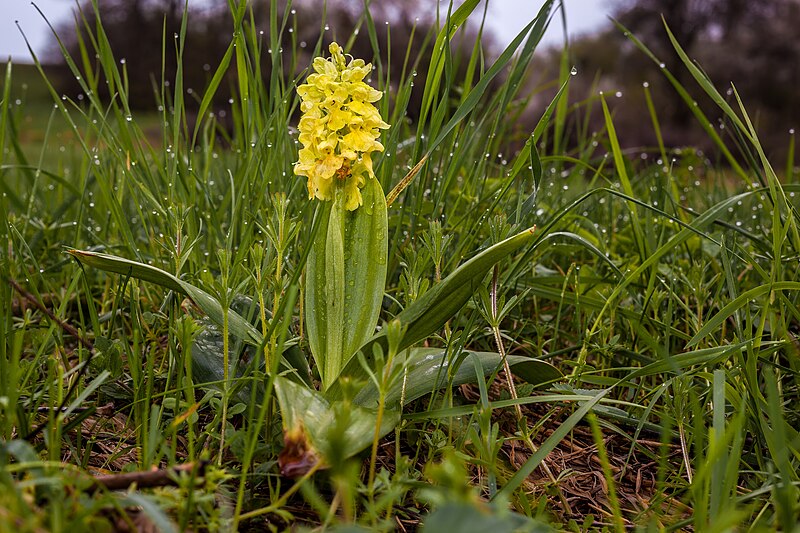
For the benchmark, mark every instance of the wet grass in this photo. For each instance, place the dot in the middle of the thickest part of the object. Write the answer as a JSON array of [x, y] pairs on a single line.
[[662, 284]]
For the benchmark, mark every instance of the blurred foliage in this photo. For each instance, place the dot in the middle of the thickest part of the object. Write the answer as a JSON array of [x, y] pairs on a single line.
[[754, 45], [137, 29]]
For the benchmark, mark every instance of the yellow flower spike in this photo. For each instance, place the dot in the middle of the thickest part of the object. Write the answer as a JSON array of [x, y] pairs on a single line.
[[339, 128]]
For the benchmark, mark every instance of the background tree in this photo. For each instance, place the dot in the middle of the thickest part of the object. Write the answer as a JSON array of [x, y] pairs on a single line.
[[136, 30], [754, 45]]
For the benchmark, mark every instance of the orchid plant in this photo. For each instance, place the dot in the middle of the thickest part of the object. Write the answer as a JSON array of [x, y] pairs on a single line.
[[345, 278]]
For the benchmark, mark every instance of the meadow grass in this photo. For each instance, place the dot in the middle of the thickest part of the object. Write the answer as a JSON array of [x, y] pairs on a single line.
[[662, 284]]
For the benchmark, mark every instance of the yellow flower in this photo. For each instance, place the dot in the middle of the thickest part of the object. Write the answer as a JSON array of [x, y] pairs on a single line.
[[339, 128]]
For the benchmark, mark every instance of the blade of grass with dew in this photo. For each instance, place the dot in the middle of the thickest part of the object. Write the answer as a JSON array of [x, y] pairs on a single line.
[[743, 299], [689, 101]]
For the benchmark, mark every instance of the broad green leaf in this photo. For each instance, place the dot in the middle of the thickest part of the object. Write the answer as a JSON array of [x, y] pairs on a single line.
[[428, 370], [324, 295], [366, 246], [237, 326], [346, 273], [673, 365], [334, 430], [208, 364], [429, 313]]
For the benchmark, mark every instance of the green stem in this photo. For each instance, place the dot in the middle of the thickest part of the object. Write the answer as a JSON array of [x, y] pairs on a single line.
[[373, 458], [512, 389], [225, 379], [282, 500]]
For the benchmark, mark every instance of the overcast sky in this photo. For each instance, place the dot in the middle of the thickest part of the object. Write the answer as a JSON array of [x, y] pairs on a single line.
[[506, 17]]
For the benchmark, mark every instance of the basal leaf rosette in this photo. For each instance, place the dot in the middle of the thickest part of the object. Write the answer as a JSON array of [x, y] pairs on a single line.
[[339, 128]]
